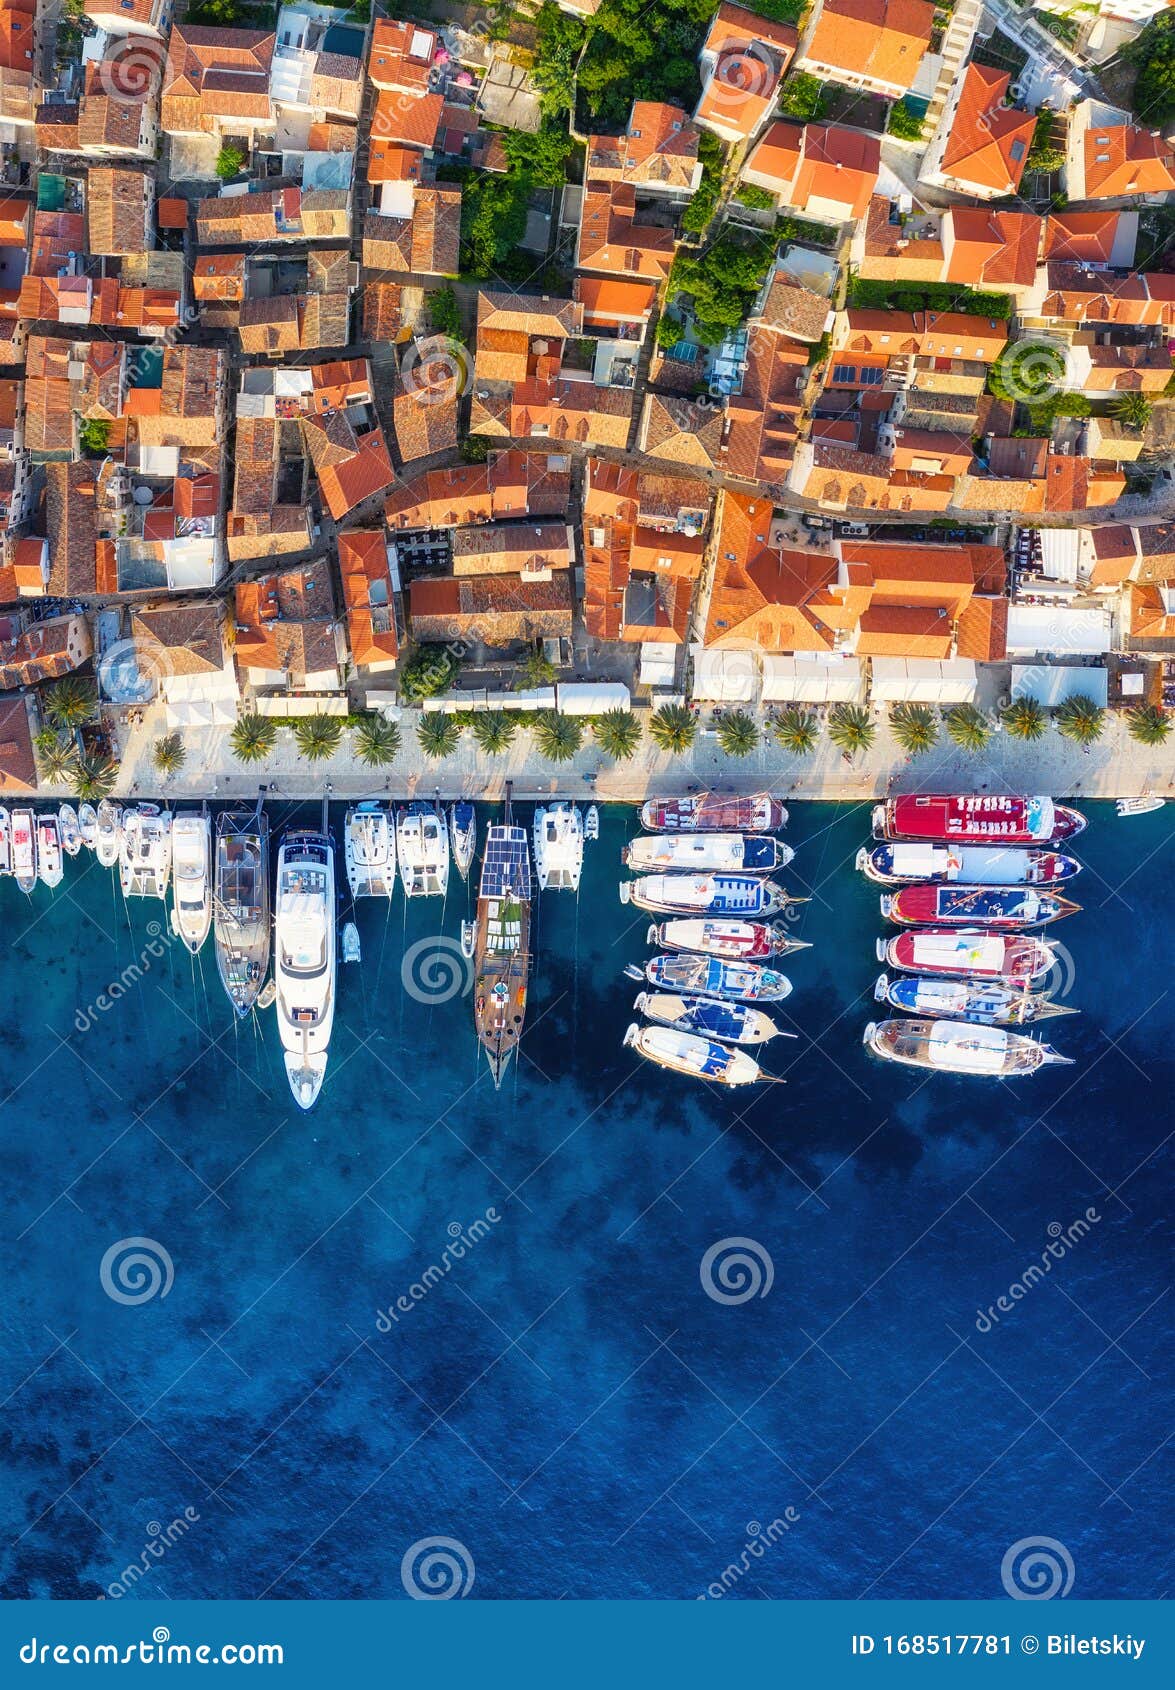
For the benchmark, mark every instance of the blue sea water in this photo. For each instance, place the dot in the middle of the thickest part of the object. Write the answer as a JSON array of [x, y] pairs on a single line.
[[568, 1403]]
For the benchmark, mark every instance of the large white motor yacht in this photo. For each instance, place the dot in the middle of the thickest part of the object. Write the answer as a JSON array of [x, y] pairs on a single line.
[[305, 959]]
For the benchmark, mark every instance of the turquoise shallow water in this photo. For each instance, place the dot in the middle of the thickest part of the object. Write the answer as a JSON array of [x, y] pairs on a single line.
[[567, 1402]]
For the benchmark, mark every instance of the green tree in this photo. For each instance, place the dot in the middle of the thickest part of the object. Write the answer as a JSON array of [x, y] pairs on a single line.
[[230, 161], [1148, 724], [669, 333], [674, 727], [851, 729], [494, 730], [94, 777], [1133, 409], [1153, 53], [94, 436], [443, 313], [967, 726], [169, 754], [558, 737], [738, 734], [758, 199], [56, 757], [560, 40], [903, 122], [1025, 719], [796, 730], [439, 735], [253, 738], [376, 741], [1080, 719], [803, 97], [430, 671], [69, 703], [541, 156], [536, 670], [914, 727], [618, 734], [317, 737]]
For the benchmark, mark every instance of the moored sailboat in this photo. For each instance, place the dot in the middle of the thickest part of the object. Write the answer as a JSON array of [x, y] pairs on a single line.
[[558, 847], [976, 819], [905, 861], [734, 941], [708, 977], [463, 836], [305, 961], [969, 953], [749, 853], [422, 847], [240, 906], [959, 1047], [191, 882], [995, 1004], [369, 850], [1009, 908], [697, 1058], [710, 1018], [742, 895], [501, 941], [714, 812]]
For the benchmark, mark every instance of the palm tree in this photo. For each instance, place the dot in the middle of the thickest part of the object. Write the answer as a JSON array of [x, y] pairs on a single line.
[[252, 738], [1133, 409], [967, 726], [674, 727], [537, 670], [1080, 719], [70, 702], [1025, 719], [318, 737], [618, 733], [56, 757], [738, 733], [559, 737], [376, 741], [1148, 724], [796, 730], [169, 754], [494, 730], [94, 778], [914, 727], [439, 735], [851, 729]]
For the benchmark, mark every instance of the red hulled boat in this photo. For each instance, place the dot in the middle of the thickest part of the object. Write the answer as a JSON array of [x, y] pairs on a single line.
[[1006, 907], [969, 954], [979, 819]]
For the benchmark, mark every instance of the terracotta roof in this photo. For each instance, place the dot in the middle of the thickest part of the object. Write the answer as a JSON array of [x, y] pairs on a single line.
[[1115, 550], [682, 430], [215, 73], [117, 203], [71, 519], [367, 594], [1082, 236], [406, 122], [401, 54], [777, 155], [525, 610], [793, 309], [766, 596], [944, 334], [748, 55], [18, 765], [285, 622], [606, 301], [659, 148], [382, 315], [882, 40], [839, 166], [991, 249], [1124, 160], [191, 634], [614, 239], [988, 142]]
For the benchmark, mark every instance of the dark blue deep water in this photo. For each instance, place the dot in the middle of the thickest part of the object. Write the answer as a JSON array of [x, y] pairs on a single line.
[[567, 1402]]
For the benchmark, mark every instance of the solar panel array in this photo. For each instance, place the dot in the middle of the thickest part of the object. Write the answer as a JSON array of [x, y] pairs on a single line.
[[506, 864]]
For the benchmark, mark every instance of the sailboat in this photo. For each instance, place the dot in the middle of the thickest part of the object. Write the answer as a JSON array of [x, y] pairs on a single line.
[[958, 1047], [558, 847], [463, 835], [994, 1003], [305, 949], [108, 834], [50, 864], [24, 849], [240, 905], [501, 954], [694, 1056], [422, 845], [71, 833], [144, 852], [191, 886], [369, 850], [729, 1023]]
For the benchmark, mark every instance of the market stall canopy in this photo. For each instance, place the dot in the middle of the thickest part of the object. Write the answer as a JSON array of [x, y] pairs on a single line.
[[820, 679]]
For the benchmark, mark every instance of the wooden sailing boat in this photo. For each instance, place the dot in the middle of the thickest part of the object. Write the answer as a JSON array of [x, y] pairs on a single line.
[[501, 950]]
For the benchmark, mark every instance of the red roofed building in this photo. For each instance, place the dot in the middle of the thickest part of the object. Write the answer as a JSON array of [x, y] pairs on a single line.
[[981, 144], [369, 599], [1109, 160], [874, 44], [742, 62]]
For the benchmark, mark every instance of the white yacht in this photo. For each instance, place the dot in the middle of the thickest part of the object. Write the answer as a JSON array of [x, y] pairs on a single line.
[[191, 884], [369, 848], [108, 833], [144, 851], [422, 846], [558, 847], [304, 959], [71, 833], [24, 849], [5, 841], [88, 825], [50, 864]]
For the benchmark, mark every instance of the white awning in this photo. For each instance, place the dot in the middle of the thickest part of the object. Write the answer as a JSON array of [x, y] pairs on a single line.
[[539, 698], [726, 677], [301, 704], [924, 680], [1067, 630], [1060, 553], [1052, 684], [201, 713], [592, 698], [658, 663], [814, 679]]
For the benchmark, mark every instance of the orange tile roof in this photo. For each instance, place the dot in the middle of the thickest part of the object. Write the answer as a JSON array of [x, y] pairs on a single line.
[[398, 118], [904, 631], [777, 154], [769, 596], [612, 237], [371, 622], [991, 249], [988, 143], [605, 299], [401, 54], [839, 165], [882, 40], [1124, 160], [1084, 236]]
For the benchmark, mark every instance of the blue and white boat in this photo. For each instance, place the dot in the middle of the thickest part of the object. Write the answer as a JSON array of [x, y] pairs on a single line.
[[729, 1023], [902, 861], [697, 1058], [707, 976], [742, 895], [993, 1005], [750, 853]]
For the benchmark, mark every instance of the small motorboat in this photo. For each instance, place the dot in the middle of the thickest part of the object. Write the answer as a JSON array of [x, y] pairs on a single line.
[[468, 939], [967, 1000], [351, 949], [713, 812], [462, 836], [88, 825], [1010, 908], [899, 862], [733, 941], [708, 977], [976, 819], [108, 833], [369, 850], [192, 875], [50, 863], [698, 1058], [959, 1047], [1139, 806], [24, 849], [750, 853], [745, 895], [5, 841], [71, 833], [558, 847], [729, 1023], [591, 823], [969, 953]]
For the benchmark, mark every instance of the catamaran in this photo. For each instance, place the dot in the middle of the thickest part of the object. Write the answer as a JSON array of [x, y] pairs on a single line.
[[558, 847], [501, 943], [108, 833], [958, 1047], [191, 883], [462, 836], [744, 895], [966, 819], [24, 849], [50, 864], [422, 846], [698, 1058], [369, 850], [967, 1000], [305, 961], [1010, 908], [734, 941], [749, 853], [144, 852], [969, 953], [711, 978], [729, 1023], [240, 906], [71, 833], [899, 861], [714, 812]]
